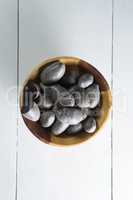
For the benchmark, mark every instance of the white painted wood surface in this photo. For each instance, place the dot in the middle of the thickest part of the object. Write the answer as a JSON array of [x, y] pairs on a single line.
[[8, 117], [123, 99], [55, 28], [73, 28]]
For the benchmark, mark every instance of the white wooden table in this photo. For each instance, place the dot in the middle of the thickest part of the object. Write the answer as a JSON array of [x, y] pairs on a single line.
[[99, 33]]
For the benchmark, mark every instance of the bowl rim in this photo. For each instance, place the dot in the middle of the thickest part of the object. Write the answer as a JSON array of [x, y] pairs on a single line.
[[64, 59]]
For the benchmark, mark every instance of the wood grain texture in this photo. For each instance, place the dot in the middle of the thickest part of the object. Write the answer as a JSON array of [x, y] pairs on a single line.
[[70, 28], [105, 105], [8, 98]]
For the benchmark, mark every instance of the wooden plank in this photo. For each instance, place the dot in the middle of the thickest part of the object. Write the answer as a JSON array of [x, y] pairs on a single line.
[[123, 81], [8, 98], [71, 28]]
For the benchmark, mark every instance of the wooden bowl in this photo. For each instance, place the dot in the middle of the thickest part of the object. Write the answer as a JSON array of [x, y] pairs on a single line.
[[106, 102]]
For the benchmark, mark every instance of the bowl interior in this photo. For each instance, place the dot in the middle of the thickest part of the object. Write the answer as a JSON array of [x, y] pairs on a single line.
[[77, 64]]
